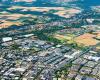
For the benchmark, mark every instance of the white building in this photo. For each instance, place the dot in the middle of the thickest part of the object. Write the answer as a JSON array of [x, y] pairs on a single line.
[[5, 39]]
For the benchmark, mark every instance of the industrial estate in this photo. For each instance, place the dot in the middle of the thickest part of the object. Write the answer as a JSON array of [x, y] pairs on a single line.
[[49, 40]]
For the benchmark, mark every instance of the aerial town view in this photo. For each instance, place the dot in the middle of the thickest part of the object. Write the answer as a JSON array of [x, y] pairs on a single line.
[[49, 39]]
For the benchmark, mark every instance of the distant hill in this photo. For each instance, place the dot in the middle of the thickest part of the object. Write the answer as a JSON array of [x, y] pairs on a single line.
[[53, 3], [58, 1]]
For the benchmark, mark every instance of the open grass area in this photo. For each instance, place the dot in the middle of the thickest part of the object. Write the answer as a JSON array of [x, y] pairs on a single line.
[[87, 39]]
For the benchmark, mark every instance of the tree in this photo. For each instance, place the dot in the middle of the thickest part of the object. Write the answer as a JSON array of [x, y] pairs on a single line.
[[14, 46]]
